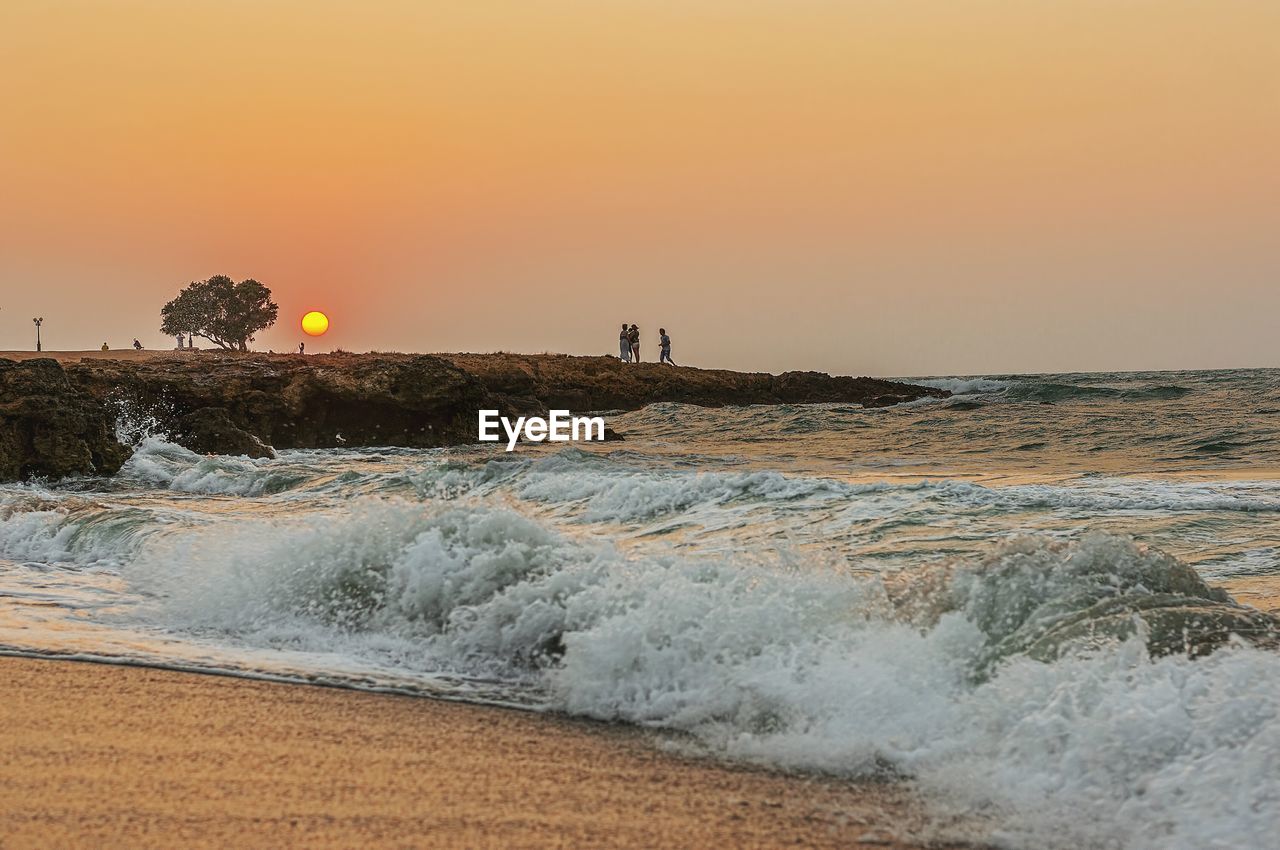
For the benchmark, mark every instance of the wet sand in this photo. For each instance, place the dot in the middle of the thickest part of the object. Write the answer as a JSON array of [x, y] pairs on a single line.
[[93, 755]]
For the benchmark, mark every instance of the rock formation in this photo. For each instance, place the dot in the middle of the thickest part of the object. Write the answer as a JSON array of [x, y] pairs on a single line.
[[49, 428], [57, 420]]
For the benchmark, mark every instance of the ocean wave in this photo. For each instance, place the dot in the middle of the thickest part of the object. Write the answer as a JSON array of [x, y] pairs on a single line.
[[385, 579], [1051, 391], [800, 665], [159, 463], [70, 530], [581, 488], [1120, 495], [1225, 443], [1041, 390], [632, 497], [1168, 391], [964, 386], [609, 491]]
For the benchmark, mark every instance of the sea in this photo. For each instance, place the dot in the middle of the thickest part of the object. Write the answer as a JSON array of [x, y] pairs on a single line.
[[733, 579]]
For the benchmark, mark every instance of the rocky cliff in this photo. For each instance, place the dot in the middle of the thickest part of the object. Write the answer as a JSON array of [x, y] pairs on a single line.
[[50, 428], [58, 419]]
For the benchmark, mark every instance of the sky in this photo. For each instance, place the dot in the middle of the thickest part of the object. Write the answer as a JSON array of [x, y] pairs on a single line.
[[896, 187]]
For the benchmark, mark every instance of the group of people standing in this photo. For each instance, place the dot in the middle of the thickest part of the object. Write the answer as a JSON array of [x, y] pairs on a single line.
[[629, 345]]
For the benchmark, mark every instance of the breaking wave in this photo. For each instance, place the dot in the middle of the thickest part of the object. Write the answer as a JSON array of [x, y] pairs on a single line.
[[159, 463], [1032, 681], [42, 529], [964, 386], [617, 491]]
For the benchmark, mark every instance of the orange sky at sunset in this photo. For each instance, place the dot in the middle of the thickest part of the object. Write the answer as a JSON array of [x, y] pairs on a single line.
[[883, 187]]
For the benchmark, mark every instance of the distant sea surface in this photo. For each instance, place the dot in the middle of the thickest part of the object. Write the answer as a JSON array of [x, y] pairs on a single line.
[[735, 575]]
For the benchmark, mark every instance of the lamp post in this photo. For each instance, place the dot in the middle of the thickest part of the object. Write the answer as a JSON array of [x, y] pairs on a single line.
[[38, 322]]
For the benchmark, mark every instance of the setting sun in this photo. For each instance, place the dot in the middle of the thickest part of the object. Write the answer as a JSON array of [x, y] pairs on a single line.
[[315, 323]]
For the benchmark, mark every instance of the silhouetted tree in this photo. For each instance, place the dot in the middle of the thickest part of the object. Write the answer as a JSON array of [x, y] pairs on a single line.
[[222, 311]]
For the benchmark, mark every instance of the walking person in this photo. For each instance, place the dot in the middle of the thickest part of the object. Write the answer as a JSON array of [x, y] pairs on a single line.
[[633, 336], [664, 343], [624, 344]]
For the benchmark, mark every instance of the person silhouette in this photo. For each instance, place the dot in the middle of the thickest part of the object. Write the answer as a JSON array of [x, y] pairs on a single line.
[[633, 335], [302, 348], [624, 344], [664, 342]]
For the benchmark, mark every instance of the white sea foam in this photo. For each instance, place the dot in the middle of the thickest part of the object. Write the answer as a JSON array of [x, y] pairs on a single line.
[[964, 386], [67, 528], [618, 493], [1122, 494], [631, 497], [159, 463], [35, 536], [44, 529], [799, 665]]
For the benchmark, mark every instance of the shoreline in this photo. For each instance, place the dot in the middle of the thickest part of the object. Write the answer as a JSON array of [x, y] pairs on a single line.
[[115, 756]]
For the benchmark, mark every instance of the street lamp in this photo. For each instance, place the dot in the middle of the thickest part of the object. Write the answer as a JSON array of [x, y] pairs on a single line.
[[38, 323]]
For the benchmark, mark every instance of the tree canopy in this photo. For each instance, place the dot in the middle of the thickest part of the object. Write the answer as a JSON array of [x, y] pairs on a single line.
[[222, 311]]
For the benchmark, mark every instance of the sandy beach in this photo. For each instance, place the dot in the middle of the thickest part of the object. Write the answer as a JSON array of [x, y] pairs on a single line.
[[96, 755]]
